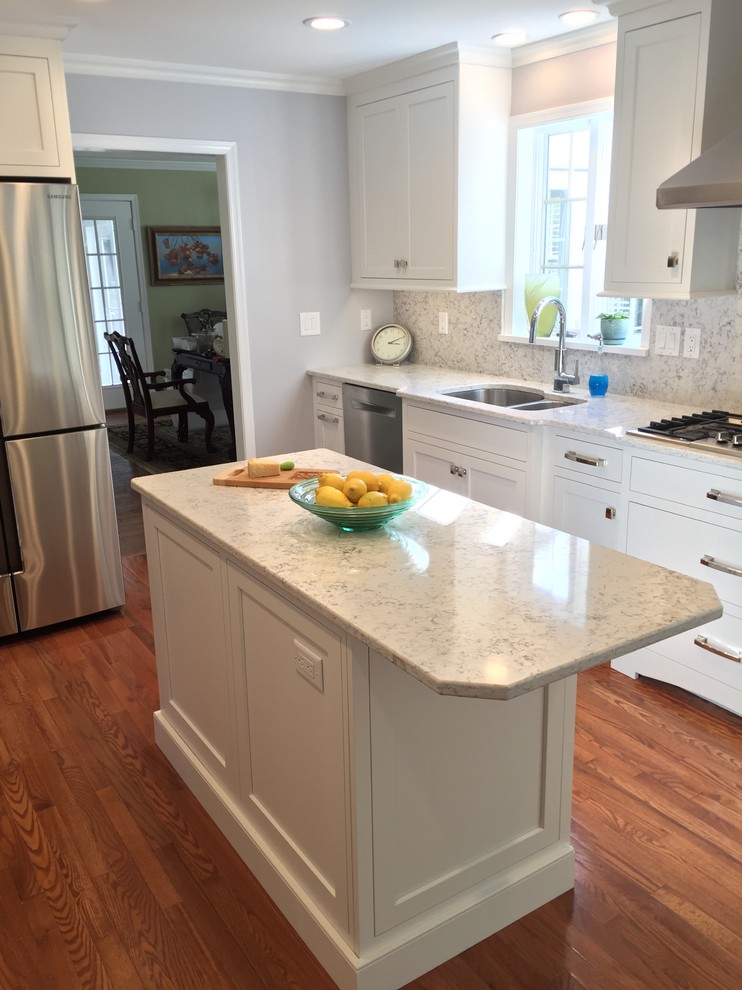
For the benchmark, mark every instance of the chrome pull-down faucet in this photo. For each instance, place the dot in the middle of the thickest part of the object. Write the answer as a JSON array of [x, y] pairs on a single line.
[[562, 380]]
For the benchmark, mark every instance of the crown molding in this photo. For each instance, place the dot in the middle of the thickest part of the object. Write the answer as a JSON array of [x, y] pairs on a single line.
[[565, 44], [202, 75], [445, 56], [56, 30]]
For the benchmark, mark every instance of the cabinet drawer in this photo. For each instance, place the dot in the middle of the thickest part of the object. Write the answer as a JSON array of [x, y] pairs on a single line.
[[680, 543], [695, 649], [492, 438], [327, 394], [596, 460], [689, 487]]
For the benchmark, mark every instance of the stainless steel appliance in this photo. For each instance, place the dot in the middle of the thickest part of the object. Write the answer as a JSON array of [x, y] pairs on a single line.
[[717, 431], [59, 549], [373, 426]]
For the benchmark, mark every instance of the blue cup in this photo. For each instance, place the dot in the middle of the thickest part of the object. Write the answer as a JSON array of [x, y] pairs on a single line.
[[598, 384]]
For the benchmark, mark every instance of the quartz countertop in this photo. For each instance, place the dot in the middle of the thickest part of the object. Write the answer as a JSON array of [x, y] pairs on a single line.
[[608, 417], [470, 600]]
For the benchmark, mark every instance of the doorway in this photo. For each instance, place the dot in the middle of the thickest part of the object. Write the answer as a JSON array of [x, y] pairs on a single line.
[[163, 152]]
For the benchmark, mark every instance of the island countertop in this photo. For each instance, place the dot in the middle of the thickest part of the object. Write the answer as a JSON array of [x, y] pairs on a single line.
[[470, 600]]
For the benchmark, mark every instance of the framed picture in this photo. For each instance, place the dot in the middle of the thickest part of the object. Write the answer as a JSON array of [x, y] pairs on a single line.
[[182, 255]]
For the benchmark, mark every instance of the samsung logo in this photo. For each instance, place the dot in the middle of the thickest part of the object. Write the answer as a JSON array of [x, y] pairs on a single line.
[[58, 196]]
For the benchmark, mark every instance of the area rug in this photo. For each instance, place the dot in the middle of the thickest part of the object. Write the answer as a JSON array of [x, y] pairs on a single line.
[[169, 453]]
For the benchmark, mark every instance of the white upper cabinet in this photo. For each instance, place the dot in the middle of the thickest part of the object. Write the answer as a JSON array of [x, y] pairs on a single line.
[[35, 139], [428, 152], [678, 79]]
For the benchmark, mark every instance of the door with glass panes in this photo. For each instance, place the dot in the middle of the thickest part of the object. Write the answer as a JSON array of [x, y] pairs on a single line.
[[114, 263]]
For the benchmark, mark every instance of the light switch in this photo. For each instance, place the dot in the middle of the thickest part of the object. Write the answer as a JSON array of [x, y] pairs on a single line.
[[667, 341], [308, 324]]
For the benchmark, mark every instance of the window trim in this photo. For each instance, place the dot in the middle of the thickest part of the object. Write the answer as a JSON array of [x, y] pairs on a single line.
[[535, 119]]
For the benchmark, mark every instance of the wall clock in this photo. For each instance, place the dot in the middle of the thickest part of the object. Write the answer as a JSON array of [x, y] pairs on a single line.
[[391, 344]]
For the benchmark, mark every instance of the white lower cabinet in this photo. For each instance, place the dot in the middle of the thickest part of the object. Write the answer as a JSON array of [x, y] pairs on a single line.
[[327, 407], [689, 518], [484, 461], [582, 489], [392, 826]]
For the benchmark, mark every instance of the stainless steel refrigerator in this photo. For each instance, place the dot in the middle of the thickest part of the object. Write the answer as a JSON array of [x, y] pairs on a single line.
[[59, 549]]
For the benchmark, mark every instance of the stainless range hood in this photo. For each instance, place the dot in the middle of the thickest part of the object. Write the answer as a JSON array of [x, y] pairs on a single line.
[[712, 179]]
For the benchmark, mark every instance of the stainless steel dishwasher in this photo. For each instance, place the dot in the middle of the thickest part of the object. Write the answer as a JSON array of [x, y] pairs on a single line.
[[373, 426]]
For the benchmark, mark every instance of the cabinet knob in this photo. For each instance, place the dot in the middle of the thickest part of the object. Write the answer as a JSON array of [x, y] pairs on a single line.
[[453, 469], [673, 260], [610, 512]]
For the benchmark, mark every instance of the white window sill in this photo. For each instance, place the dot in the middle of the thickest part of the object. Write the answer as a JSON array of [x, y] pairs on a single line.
[[576, 345]]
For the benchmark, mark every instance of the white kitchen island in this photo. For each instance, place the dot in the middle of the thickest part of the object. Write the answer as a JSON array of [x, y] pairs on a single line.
[[381, 723]]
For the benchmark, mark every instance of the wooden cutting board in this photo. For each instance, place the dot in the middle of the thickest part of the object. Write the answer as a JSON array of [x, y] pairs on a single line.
[[238, 477]]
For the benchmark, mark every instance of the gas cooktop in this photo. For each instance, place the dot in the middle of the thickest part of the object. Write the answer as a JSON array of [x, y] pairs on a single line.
[[717, 431]]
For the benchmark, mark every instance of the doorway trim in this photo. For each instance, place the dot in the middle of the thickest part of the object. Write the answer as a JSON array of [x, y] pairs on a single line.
[[230, 218]]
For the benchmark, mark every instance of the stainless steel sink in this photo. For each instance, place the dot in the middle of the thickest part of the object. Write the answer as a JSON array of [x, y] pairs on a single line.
[[498, 395]]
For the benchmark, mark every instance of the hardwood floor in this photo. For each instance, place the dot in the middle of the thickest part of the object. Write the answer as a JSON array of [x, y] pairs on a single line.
[[111, 875]]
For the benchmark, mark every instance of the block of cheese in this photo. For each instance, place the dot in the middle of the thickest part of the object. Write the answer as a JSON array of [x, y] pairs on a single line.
[[257, 468]]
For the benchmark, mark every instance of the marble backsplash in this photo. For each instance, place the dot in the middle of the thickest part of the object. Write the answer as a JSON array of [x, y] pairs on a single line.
[[475, 320]]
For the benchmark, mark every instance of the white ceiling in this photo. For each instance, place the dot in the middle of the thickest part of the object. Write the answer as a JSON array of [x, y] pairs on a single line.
[[268, 35]]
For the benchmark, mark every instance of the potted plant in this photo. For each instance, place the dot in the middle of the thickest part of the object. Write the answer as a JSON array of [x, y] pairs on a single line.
[[613, 327]]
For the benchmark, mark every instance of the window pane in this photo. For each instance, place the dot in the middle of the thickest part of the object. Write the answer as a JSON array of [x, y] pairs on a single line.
[[93, 271], [99, 311], [88, 229], [106, 236], [109, 265], [114, 304]]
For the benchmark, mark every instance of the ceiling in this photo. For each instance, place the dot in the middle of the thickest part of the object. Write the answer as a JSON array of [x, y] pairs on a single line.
[[268, 35]]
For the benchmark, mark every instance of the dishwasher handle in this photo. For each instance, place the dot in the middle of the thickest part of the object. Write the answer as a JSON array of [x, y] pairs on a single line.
[[371, 407]]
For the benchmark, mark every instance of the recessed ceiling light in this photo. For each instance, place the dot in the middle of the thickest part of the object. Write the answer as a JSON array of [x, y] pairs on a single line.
[[578, 18], [326, 23], [509, 39]]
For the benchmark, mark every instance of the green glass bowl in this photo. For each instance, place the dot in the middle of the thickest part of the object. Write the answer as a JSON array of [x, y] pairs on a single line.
[[367, 517]]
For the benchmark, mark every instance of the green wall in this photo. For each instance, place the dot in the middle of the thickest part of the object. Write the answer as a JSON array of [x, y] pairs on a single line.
[[177, 198]]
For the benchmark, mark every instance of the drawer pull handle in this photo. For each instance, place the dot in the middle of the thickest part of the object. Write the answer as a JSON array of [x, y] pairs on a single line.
[[705, 644], [327, 419], [332, 398], [718, 565], [572, 455], [718, 496]]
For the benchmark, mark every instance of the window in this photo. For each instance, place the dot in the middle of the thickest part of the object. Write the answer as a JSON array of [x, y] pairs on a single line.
[[561, 174]]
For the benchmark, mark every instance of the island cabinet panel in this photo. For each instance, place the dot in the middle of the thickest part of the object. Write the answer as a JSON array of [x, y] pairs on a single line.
[[188, 588], [35, 138], [689, 519], [293, 750], [463, 790]]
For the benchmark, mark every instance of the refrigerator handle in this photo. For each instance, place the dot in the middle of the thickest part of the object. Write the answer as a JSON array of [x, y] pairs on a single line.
[[11, 558]]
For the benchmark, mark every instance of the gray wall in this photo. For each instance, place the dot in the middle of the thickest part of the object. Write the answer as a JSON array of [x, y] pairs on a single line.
[[293, 189]]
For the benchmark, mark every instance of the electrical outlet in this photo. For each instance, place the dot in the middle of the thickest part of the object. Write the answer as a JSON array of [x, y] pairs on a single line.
[[309, 665], [308, 324], [365, 319], [667, 341], [443, 323], [692, 342]]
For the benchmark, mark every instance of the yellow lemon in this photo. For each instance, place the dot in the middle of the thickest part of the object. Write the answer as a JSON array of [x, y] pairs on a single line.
[[354, 488], [331, 479], [367, 477], [384, 482], [327, 495], [372, 499], [400, 491]]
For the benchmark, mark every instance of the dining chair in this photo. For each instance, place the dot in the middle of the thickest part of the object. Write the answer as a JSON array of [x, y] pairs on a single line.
[[203, 320], [146, 396]]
